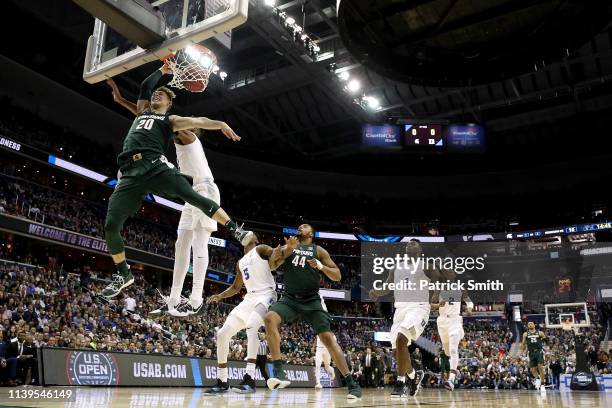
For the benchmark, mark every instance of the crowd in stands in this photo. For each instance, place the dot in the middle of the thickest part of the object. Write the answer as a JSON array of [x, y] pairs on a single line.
[[40, 306], [486, 362]]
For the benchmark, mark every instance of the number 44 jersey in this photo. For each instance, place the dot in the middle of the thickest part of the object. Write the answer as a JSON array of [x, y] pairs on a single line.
[[300, 278], [256, 273]]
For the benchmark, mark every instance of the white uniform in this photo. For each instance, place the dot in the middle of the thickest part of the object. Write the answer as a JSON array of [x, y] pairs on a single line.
[[411, 306], [261, 293], [192, 161], [450, 321], [450, 325], [259, 283]]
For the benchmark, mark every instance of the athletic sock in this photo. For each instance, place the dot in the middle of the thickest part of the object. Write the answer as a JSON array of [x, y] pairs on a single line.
[[412, 374], [350, 381], [278, 367], [123, 268], [250, 370], [451, 377], [401, 378], [231, 225], [222, 374]]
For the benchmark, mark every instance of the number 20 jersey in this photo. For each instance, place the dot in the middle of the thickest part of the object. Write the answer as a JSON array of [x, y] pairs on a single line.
[[256, 273]]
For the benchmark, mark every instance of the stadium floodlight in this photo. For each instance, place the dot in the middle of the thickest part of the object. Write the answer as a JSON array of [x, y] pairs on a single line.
[[372, 102], [206, 61], [297, 28], [215, 69], [344, 75], [353, 85], [223, 75], [192, 52], [290, 21], [270, 3]]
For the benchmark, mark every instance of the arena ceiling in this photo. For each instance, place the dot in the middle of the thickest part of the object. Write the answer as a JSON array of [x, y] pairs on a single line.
[[294, 111]]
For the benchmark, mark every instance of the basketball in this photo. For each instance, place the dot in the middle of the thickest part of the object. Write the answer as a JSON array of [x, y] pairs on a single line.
[[195, 85]]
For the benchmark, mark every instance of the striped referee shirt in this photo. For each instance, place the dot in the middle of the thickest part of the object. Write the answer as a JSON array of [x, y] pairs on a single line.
[[263, 348]]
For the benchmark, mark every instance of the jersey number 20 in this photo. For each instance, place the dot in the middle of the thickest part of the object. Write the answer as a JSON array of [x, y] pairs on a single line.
[[145, 124]]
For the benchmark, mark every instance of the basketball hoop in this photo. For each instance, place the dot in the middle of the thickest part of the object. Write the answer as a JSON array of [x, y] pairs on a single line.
[[191, 67]]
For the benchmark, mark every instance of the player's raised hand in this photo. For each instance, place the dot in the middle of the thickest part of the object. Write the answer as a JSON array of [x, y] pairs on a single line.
[[229, 133], [213, 299], [165, 69], [114, 88], [292, 242]]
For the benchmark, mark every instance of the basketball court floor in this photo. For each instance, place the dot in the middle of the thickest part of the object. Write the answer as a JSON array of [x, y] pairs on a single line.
[[332, 398]]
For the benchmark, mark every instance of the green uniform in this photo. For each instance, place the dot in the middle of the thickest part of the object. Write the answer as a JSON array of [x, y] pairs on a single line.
[[145, 170], [444, 363], [301, 297], [535, 348]]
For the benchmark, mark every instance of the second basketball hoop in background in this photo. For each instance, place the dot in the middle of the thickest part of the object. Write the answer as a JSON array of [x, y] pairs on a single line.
[[192, 67]]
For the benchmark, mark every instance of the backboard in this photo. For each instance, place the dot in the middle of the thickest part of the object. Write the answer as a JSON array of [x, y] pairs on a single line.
[[187, 22], [575, 314]]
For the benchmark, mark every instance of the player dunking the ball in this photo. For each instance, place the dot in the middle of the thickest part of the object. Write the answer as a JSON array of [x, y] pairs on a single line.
[[254, 271], [533, 344], [144, 170], [195, 228], [303, 261]]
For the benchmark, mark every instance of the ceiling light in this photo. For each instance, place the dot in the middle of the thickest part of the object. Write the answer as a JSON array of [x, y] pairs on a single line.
[[344, 75], [353, 85]]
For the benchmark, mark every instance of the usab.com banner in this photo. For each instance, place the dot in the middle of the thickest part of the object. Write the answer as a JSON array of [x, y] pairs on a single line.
[[90, 368]]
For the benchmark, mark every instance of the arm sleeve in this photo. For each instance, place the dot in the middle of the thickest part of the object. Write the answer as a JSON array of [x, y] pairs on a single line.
[[153, 81]]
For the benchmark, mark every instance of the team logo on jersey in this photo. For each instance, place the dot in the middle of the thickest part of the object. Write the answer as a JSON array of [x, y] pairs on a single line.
[[91, 368]]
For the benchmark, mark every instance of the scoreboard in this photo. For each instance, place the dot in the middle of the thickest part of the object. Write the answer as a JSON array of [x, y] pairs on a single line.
[[425, 136], [420, 136]]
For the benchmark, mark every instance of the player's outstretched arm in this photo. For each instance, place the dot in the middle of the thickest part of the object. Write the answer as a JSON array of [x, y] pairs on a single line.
[[183, 123], [147, 87], [117, 97], [325, 264], [524, 342], [229, 292], [266, 252]]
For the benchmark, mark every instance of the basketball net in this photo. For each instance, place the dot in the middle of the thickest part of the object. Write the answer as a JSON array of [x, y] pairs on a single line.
[[191, 68]]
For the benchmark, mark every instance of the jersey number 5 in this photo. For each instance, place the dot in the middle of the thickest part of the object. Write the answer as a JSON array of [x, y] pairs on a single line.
[[246, 273], [299, 261], [145, 124]]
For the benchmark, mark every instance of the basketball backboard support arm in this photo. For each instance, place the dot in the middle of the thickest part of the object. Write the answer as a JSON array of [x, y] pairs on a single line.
[[136, 20], [96, 70]]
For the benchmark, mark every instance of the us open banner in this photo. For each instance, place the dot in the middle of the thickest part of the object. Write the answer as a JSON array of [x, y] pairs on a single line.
[[96, 368]]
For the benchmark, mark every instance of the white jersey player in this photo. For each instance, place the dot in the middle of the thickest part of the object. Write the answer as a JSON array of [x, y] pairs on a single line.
[[322, 356], [194, 229], [450, 323], [254, 271], [411, 315]]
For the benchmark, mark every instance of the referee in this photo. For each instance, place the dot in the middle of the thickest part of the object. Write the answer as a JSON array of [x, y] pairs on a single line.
[[262, 356]]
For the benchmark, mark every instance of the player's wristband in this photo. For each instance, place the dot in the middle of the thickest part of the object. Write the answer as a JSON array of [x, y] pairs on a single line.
[[319, 264]]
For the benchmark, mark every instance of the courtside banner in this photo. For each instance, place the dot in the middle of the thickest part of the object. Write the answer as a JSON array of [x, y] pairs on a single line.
[[90, 368]]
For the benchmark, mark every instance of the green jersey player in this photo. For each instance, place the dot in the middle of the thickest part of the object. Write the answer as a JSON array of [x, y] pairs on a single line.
[[302, 263], [144, 170]]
